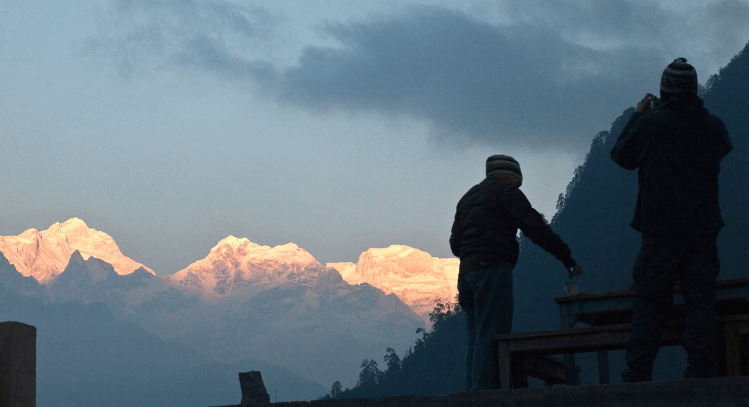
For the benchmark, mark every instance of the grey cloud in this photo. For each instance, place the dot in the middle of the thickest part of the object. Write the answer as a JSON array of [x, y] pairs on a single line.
[[613, 20], [528, 82], [732, 30], [469, 79], [733, 12], [213, 36], [711, 30]]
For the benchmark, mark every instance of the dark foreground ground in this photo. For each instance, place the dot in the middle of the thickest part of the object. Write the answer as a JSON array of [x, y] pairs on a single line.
[[719, 392]]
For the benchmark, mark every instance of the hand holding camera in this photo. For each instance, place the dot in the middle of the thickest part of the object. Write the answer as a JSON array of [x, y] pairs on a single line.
[[649, 104], [576, 270]]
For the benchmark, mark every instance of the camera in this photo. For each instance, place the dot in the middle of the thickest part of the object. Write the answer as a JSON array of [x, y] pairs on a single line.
[[657, 103]]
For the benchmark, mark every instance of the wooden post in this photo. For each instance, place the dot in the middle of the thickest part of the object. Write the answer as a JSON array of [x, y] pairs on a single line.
[[505, 366], [736, 330], [17, 365], [570, 368], [603, 367]]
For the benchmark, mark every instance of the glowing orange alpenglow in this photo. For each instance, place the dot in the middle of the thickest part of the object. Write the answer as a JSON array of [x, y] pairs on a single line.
[[44, 255], [416, 277]]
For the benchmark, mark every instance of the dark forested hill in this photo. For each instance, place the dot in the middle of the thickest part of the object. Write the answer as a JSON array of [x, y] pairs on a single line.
[[728, 97], [598, 206], [593, 218], [599, 203], [434, 366]]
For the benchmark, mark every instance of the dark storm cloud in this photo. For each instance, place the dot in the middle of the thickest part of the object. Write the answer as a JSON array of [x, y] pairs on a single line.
[[708, 29], [530, 81], [466, 78]]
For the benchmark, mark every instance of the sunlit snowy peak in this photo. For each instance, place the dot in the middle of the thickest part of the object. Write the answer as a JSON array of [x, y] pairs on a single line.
[[416, 277], [239, 263], [45, 254]]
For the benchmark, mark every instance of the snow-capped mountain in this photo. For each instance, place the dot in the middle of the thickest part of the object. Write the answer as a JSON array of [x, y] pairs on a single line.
[[243, 301], [45, 254], [416, 277], [236, 264], [279, 304], [89, 357]]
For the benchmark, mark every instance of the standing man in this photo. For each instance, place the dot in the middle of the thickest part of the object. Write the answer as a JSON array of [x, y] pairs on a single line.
[[677, 149], [483, 236]]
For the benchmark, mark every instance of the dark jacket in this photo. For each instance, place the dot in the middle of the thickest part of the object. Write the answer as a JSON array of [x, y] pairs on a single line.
[[677, 150], [486, 223]]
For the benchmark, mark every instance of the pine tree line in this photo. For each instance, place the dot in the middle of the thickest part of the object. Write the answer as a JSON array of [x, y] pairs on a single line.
[[435, 365]]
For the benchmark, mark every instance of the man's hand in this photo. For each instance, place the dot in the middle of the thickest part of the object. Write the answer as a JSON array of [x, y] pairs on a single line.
[[644, 105], [576, 270]]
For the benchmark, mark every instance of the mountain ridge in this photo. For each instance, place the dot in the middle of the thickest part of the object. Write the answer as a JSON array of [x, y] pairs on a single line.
[[238, 266], [243, 300], [45, 254], [235, 264], [416, 277]]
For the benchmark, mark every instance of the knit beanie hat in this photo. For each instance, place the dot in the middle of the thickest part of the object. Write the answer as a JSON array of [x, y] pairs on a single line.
[[678, 77], [504, 167]]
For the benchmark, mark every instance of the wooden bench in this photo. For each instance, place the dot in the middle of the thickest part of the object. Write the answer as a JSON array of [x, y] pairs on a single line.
[[735, 332], [525, 346], [544, 367]]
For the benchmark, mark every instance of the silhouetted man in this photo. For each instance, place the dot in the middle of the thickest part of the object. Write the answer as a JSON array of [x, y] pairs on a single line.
[[677, 149], [484, 238]]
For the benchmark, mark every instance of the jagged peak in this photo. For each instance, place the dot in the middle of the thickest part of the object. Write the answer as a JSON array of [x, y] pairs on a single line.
[[244, 248], [397, 253], [234, 242], [73, 223], [45, 254], [29, 234], [394, 252], [77, 227], [396, 249], [142, 272], [76, 257], [239, 262], [413, 275], [96, 269]]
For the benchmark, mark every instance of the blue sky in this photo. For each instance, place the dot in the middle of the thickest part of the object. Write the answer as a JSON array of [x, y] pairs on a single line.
[[336, 125]]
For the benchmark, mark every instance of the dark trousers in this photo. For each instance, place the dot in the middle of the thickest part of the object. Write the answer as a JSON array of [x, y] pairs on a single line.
[[662, 261], [486, 297]]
